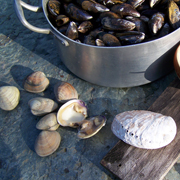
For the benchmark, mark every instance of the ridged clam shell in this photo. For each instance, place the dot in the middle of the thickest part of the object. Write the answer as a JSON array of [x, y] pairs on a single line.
[[48, 122], [144, 129], [40, 106], [9, 97], [65, 91], [36, 82], [71, 113], [47, 143]]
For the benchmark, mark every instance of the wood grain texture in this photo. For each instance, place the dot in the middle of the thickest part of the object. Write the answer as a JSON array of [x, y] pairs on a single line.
[[131, 163]]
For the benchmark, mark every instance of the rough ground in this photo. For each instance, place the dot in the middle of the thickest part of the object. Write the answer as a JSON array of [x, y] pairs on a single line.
[[22, 52]]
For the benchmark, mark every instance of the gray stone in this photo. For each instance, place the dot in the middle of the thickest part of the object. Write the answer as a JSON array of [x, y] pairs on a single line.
[[22, 52]]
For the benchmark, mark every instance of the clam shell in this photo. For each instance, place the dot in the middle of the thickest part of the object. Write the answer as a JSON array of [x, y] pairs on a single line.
[[40, 106], [36, 82], [65, 91], [91, 126], [72, 113], [47, 143], [48, 122], [9, 97], [144, 129]]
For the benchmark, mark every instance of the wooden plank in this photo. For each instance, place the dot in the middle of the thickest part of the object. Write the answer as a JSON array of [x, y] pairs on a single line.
[[131, 163]]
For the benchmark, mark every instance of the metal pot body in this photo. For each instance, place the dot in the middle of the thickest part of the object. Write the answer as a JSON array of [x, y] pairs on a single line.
[[123, 66], [119, 67]]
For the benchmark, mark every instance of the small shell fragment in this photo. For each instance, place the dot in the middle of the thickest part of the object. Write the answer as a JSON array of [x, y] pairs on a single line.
[[48, 122], [36, 82], [40, 106], [47, 143], [9, 97], [91, 126], [72, 113], [144, 129]]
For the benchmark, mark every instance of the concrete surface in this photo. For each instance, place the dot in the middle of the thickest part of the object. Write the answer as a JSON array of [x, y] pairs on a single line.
[[22, 52]]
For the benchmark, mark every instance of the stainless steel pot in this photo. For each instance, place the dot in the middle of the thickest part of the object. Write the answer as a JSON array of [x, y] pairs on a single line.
[[123, 66]]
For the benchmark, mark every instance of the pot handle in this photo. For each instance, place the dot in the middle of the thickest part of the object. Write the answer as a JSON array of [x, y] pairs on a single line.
[[20, 14]]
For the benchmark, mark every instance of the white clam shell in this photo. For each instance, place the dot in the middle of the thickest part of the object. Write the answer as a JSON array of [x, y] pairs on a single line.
[[40, 106], [9, 97], [48, 122], [72, 113], [144, 129]]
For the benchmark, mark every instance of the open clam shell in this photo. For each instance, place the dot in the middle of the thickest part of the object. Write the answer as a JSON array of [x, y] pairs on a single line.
[[65, 91], [36, 82], [9, 97], [91, 126], [47, 143], [48, 122], [72, 113], [40, 106]]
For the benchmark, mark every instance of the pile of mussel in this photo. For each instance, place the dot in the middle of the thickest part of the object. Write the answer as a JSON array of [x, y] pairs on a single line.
[[71, 113], [114, 22]]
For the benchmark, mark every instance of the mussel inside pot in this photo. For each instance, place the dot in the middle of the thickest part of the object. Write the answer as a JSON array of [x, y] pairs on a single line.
[[86, 16]]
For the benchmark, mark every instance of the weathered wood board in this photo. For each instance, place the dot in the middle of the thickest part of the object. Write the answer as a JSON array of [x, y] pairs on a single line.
[[131, 163]]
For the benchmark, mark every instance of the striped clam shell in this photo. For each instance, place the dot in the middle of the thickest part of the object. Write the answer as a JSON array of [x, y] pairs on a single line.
[[47, 143], [64, 91], [9, 97], [36, 82]]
